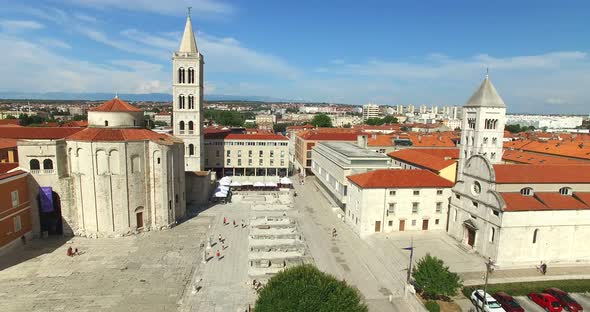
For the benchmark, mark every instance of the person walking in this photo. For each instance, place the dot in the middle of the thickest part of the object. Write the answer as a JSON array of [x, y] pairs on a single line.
[[544, 268], [224, 221], [234, 222], [70, 252], [242, 223], [220, 240], [218, 254]]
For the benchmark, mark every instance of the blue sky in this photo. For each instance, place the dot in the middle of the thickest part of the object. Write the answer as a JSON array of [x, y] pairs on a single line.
[[385, 52]]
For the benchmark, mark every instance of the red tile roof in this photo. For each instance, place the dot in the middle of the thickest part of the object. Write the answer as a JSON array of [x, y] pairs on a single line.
[[44, 133], [535, 158], [380, 140], [115, 105], [518, 202], [330, 134], [105, 134], [303, 127], [544, 201], [76, 123], [583, 196], [556, 201], [12, 122], [11, 174], [420, 159], [443, 139], [398, 178], [7, 143], [576, 149], [5, 167], [444, 153], [510, 173]]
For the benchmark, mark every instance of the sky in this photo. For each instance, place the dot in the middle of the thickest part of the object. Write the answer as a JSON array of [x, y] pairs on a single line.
[[385, 52]]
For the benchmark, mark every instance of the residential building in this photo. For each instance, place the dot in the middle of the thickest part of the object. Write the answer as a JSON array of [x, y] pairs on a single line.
[[265, 121], [256, 155], [332, 162], [371, 111], [8, 151], [397, 200], [15, 209], [163, 117], [411, 158], [306, 140], [187, 94]]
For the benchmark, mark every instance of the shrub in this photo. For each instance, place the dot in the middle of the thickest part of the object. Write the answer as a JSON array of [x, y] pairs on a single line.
[[305, 288], [434, 279], [432, 306]]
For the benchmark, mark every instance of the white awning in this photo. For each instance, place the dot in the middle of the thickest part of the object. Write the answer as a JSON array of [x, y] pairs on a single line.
[[224, 182], [286, 180], [220, 194], [270, 184], [246, 183], [235, 183], [259, 184]]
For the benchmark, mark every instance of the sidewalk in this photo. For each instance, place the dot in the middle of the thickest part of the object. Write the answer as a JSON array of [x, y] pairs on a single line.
[[527, 275], [347, 256]]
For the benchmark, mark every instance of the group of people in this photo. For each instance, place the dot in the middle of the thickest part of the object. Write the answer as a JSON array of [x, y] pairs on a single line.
[[222, 240], [72, 252]]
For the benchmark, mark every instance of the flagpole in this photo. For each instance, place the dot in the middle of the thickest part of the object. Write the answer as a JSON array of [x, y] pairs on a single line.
[[411, 257]]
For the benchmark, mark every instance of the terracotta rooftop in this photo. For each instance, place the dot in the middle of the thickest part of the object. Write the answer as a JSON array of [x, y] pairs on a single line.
[[11, 174], [545, 201], [380, 140], [36, 133], [443, 139], [5, 167], [7, 143], [115, 105], [302, 127], [12, 122], [329, 134], [516, 173], [105, 134], [535, 158], [420, 159], [398, 178]]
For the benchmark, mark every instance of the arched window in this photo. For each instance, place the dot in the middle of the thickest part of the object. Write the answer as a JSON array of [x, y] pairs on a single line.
[[191, 75], [34, 164], [181, 101], [565, 191], [190, 126], [48, 164], [181, 78], [535, 236], [191, 102], [106, 123], [191, 149], [181, 126], [527, 191]]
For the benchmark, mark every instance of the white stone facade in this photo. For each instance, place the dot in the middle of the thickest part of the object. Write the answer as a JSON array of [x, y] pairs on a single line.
[[187, 93], [373, 210]]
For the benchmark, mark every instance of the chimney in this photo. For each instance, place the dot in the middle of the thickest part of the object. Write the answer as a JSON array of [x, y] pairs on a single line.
[[420, 138], [361, 140]]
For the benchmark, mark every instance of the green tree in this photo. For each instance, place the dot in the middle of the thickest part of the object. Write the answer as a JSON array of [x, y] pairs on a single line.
[[348, 125], [513, 128], [322, 121], [305, 288], [434, 279], [389, 120], [375, 121], [250, 125], [281, 127], [10, 117], [79, 117]]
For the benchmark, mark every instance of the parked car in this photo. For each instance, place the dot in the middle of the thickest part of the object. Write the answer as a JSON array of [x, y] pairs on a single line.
[[545, 301], [508, 303], [567, 302], [477, 297]]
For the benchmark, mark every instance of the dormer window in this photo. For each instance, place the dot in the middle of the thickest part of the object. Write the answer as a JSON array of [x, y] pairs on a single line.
[[565, 191], [527, 191], [106, 123]]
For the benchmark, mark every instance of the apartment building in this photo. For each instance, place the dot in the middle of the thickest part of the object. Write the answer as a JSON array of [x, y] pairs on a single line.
[[15, 209]]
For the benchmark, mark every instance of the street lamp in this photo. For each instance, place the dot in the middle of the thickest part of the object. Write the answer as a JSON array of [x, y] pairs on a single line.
[[489, 269], [411, 249]]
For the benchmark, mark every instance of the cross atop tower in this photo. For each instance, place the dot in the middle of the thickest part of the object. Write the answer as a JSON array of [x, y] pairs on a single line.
[[188, 11]]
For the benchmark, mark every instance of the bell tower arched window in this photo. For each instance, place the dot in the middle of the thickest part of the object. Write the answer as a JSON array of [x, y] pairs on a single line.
[[191, 101], [191, 75], [181, 101], [190, 127], [34, 164], [181, 127], [181, 77], [191, 149]]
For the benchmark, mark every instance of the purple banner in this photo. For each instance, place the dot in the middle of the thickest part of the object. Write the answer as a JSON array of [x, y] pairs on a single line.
[[46, 196]]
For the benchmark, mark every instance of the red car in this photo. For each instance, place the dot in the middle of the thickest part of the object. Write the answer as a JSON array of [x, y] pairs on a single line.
[[567, 302], [508, 303], [546, 301]]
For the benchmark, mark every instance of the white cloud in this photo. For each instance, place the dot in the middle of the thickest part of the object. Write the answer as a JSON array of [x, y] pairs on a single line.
[[52, 42], [19, 25], [85, 18], [54, 72], [201, 8]]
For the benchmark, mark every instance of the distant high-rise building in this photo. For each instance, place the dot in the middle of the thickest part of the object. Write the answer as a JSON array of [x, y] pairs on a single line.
[[187, 91], [423, 109], [370, 111], [411, 109], [434, 109]]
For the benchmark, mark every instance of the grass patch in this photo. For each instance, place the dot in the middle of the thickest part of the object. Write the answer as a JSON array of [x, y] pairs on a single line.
[[522, 289]]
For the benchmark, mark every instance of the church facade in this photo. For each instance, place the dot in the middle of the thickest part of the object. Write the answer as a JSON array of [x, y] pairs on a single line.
[[515, 214]]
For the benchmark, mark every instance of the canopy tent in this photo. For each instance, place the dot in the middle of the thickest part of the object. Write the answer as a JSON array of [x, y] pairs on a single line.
[[224, 182], [220, 194], [246, 183], [235, 183], [270, 184], [258, 184], [285, 180]]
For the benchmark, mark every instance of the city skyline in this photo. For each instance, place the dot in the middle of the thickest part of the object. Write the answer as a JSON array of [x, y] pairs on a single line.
[[267, 49]]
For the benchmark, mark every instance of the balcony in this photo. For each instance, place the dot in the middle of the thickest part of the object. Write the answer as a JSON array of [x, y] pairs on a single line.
[[180, 131]]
